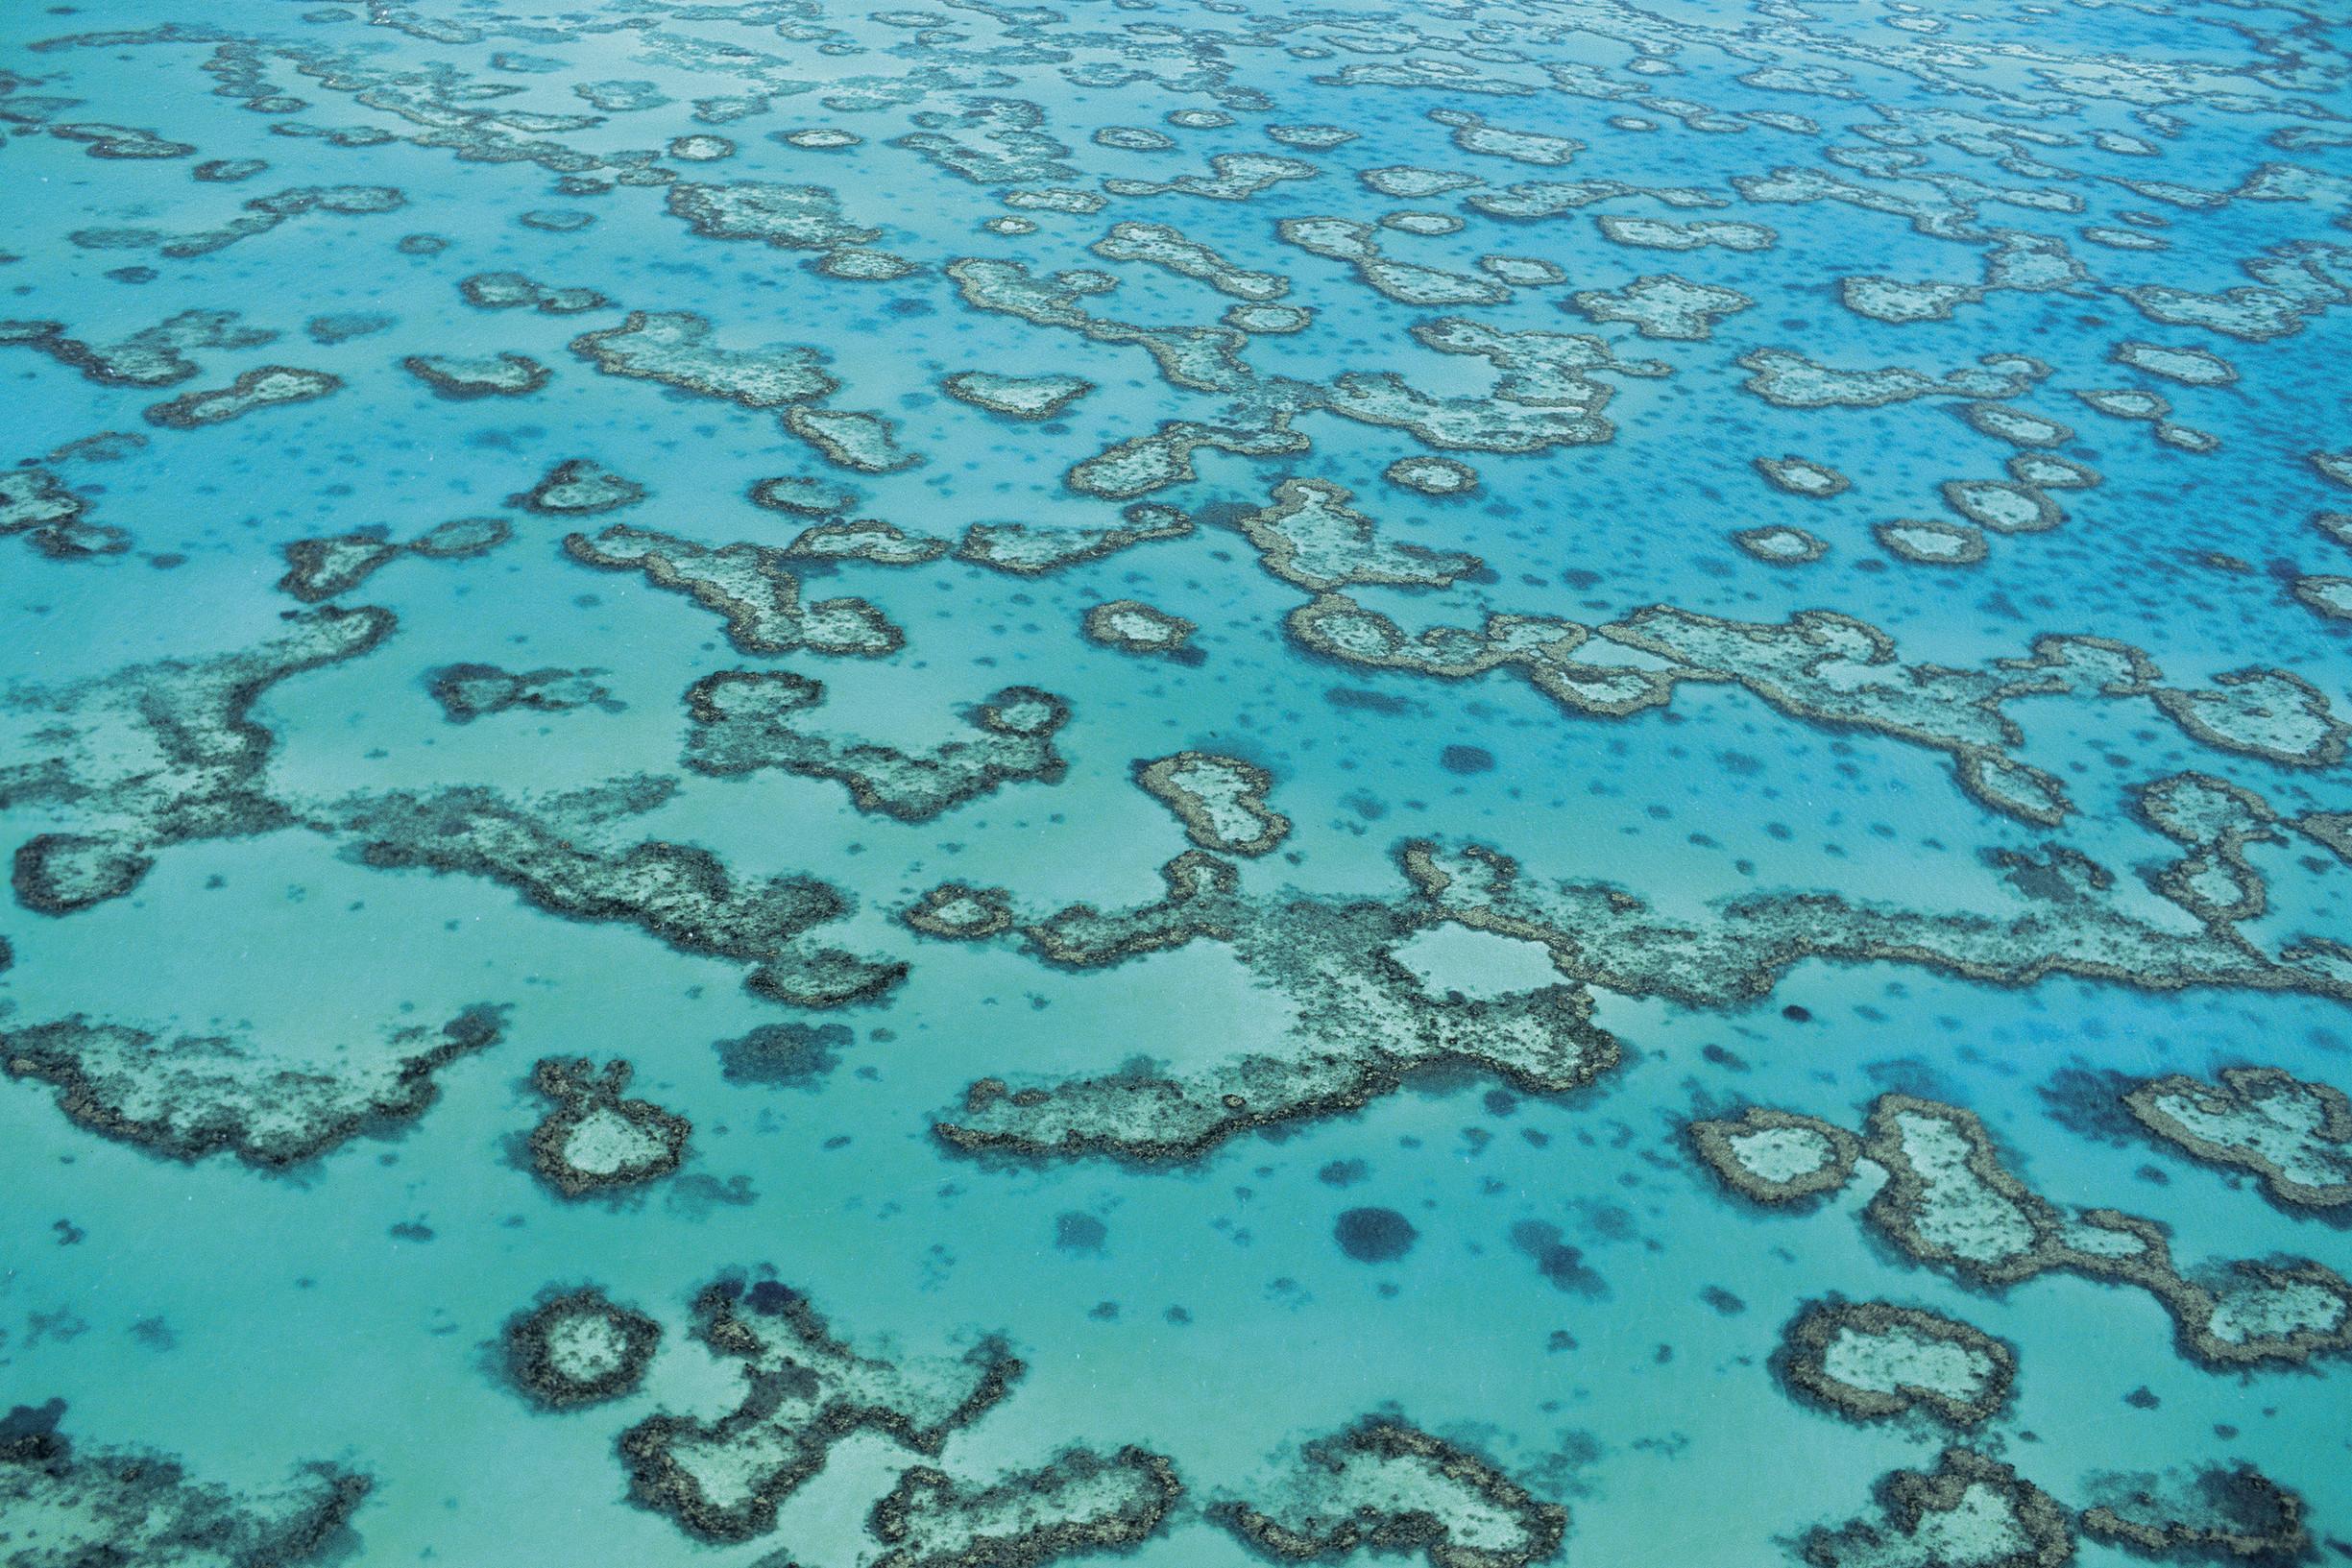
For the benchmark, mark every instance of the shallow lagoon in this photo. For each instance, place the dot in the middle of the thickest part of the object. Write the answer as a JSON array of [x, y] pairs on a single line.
[[1508, 783]]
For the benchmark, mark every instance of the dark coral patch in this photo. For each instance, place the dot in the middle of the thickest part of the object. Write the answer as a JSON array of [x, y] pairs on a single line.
[[578, 1348], [793, 1055], [1374, 1235]]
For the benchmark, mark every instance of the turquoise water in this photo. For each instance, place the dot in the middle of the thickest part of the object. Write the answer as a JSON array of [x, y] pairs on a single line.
[[330, 819]]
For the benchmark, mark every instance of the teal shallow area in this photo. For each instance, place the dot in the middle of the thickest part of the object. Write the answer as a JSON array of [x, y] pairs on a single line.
[[2055, 831]]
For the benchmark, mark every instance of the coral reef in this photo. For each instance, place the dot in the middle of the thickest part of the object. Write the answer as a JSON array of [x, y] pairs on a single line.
[[1948, 1201], [1772, 1156], [318, 569], [577, 1347], [804, 1391], [674, 348], [1033, 398], [469, 691], [36, 504], [513, 291], [2232, 1513], [1221, 801], [1076, 1503], [63, 1505], [1870, 1360], [270, 1105], [1781, 546], [1308, 535], [463, 378], [593, 1140], [1970, 1512], [1025, 551], [1132, 626], [1383, 1486], [745, 720], [161, 754], [1362, 1023], [153, 356], [267, 386], [1662, 306], [2296, 1136], [681, 895], [579, 487], [749, 586]]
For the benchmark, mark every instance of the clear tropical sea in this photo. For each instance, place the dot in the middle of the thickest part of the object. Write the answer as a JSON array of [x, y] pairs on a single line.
[[1177, 780]]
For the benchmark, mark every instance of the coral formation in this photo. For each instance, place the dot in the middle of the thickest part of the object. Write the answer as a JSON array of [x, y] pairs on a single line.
[[1869, 1359], [579, 487], [161, 754], [747, 585], [64, 1503], [745, 720], [1774, 1156], [270, 1105], [679, 894], [1362, 1023], [266, 387], [804, 1391], [578, 1347], [1132, 626], [1221, 801], [2232, 1513], [1076, 1503], [593, 1140], [469, 691], [1970, 1512], [319, 569], [2296, 1136], [1384, 1487]]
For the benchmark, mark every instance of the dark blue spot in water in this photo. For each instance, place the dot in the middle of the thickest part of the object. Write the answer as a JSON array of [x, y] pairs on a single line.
[[784, 1053], [1376, 702], [1911, 1075], [1343, 1173], [910, 306], [1557, 1261], [770, 1298], [1467, 759], [2090, 1102], [1079, 1233], [24, 1421], [1374, 1235]]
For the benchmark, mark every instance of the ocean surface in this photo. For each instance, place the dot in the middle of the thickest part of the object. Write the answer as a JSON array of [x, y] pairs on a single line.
[[1488, 782]]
